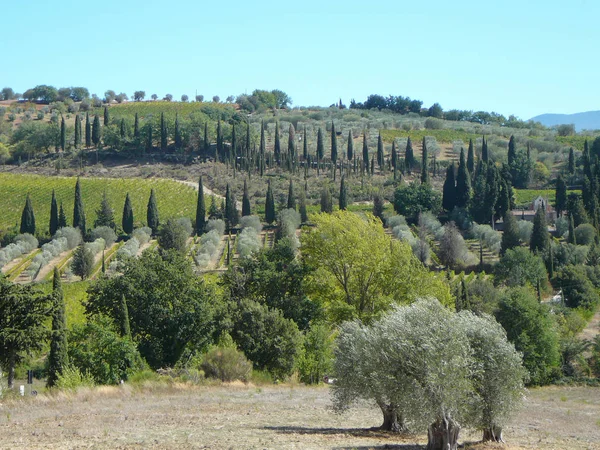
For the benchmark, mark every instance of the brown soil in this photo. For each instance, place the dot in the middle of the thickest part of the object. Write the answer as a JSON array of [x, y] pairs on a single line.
[[272, 417]]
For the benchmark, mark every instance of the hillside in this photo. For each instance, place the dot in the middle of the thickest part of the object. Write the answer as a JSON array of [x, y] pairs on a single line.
[[589, 120]]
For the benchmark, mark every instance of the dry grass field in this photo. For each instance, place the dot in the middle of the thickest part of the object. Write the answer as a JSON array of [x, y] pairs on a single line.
[[237, 416]]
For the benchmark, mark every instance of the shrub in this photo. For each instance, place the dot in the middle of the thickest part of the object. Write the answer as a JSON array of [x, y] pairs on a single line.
[[72, 235], [72, 379], [216, 224], [316, 359], [252, 222], [248, 242], [585, 234], [226, 364], [173, 234], [129, 250], [142, 235], [519, 266], [525, 230], [209, 242], [106, 233], [431, 123], [577, 287], [23, 243]]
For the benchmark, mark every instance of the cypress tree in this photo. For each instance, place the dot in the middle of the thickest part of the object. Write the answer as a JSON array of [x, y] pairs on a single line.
[[233, 149], [302, 207], [350, 152], [177, 132], [96, 131], [449, 190], [200, 209], [247, 142], [106, 117], [269, 205], [571, 166], [394, 155], [105, 215], [425, 164], [378, 206], [343, 200], [206, 142], [478, 207], [540, 239], [561, 195], [103, 267], [320, 146], [510, 234], [122, 129], [572, 239], [219, 139], [63, 134], [246, 201], [136, 126], [88, 131], [409, 156], [77, 140], [493, 191], [62, 217], [326, 201], [380, 152], [471, 158], [277, 148], [163, 133], [152, 213], [27, 218], [58, 359], [53, 215], [149, 139], [334, 151], [124, 316], [365, 151], [127, 221], [291, 200], [463, 183], [305, 146], [78, 210], [512, 152], [231, 213], [292, 143], [262, 148], [484, 150], [503, 202]]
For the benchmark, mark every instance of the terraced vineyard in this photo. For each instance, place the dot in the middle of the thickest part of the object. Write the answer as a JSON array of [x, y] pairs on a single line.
[[174, 199]]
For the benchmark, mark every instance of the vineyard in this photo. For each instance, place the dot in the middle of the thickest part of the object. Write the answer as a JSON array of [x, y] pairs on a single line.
[[174, 199]]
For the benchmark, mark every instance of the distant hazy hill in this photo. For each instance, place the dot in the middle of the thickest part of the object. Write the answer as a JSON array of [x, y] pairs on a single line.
[[583, 121]]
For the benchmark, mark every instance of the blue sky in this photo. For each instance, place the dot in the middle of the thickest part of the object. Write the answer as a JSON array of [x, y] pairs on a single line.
[[513, 57]]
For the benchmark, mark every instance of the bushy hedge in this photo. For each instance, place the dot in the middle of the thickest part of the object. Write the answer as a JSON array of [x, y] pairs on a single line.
[[23, 243]]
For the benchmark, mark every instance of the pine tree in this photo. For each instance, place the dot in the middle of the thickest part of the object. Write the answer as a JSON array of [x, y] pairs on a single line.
[[246, 201], [350, 152], [27, 218], [277, 147], [53, 215], [77, 140], [82, 262], [334, 151], [540, 239], [124, 316], [58, 359], [343, 200], [163, 133], [380, 152], [571, 166], [305, 145], [78, 210], [471, 158], [106, 117], [177, 132], [512, 152], [326, 201], [485, 157], [105, 215], [88, 131], [122, 129], [152, 213], [571, 239], [425, 164], [449, 190], [365, 151], [463, 183], [63, 134], [62, 217], [510, 234], [561, 195], [269, 205], [291, 200], [136, 126], [96, 131], [320, 146], [302, 207], [127, 220]]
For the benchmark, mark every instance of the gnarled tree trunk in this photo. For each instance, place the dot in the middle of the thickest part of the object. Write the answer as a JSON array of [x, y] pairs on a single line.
[[493, 434], [392, 419], [443, 434]]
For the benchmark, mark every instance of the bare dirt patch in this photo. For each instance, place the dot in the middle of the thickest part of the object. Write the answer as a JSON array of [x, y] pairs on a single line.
[[272, 417]]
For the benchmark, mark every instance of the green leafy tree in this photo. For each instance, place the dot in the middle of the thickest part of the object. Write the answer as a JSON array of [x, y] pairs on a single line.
[[173, 235], [122, 129], [572, 239], [512, 151], [326, 200], [269, 205], [302, 207], [178, 139], [380, 151], [77, 139], [201, 209], [152, 213], [415, 198], [127, 221], [519, 266], [409, 156], [578, 290], [292, 143], [82, 262], [305, 145], [485, 157], [510, 234], [124, 316], [540, 238], [365, 151], [63, 134], [23, 318], [163, 133], [53, 226], [105, 214], [136, 126], [27, 218], [78, 209], [231, 212], [571, 163], [449, 190], [277, 146], [58, 359]]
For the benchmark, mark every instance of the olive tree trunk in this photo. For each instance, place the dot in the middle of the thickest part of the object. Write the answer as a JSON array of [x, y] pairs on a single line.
[[443, 434], [493, 434], [393, 420]]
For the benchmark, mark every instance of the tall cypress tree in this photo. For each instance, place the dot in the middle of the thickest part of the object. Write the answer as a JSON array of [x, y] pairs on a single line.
[[246, 211], [233, 148], [471, 158], [485, 157], [292, 143], [394, 155], [561, 195], [106, 117], [277, 148], [269, 205], [124, 318], [540, 239], [62, 217], [350, 152], [88, 131], [152, 213], [163, 133], [302, 207], [63, 134], [326, 200], [219, 139], [320, 146], [263, 146], [149, 138], [228, 208], [449, 190], [122, 129], [136, 126], [343, 200], [77, 140], [424, 164], [78, 210], [127, 220], [96, 131], [571, 166], [291, 200], [206, 141], [200, 209], [380, 152], [510, 234], [365, 151], [27, 218], [334, 151], [477, 206], [409, 156], [58, 359], [53, 215], [177, 132], [305, 145], [512, 152], [105, 215], [571, 239], [493, 191]]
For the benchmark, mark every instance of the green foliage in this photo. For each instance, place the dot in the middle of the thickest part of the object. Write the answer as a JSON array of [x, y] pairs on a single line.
[[449, 190], [152, 219], [343, 198], [226, 364], [540, 238], [510, 234], [316, 359], [105, 214], [269, 205], [127, 220], [577, 288], [585, 234], [27, 218], [82, 262], [519, 266], [54, 217], [415, 198], [173, 235], [58, 359], [78, 210], [246, 209], [72, 379]]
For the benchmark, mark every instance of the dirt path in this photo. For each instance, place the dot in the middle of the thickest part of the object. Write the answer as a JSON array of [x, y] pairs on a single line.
[[50, 266], [15, 262], [593, 327]]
